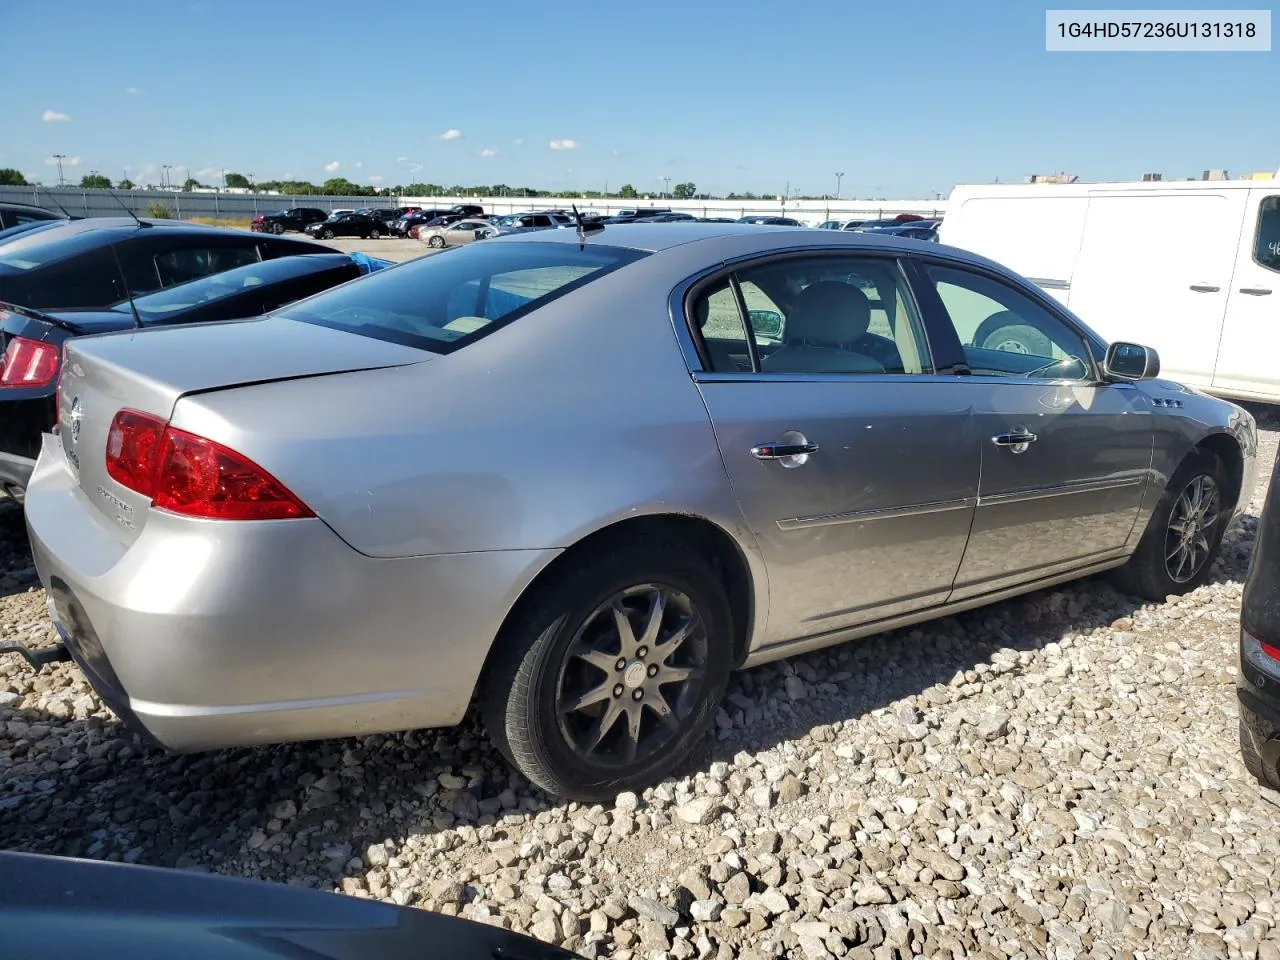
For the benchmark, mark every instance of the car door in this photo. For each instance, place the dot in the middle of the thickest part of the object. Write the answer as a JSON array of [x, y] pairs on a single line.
[[1065, 456], [857, 475], [1251, 332]]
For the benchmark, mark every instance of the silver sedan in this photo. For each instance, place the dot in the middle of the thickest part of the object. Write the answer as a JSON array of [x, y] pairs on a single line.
[[456, 234], [581, 478]]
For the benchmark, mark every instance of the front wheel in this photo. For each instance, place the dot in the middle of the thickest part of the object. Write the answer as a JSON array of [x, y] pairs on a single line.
[[436, 242], [612, 673], [326, 234], [1177, 550], [375, 234], [277, 228]]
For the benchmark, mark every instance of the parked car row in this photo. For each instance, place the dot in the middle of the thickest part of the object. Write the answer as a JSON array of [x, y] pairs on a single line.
[[75, 278], [827, 402]]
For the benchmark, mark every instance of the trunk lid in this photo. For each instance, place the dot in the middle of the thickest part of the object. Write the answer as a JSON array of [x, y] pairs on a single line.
[[149, 370]]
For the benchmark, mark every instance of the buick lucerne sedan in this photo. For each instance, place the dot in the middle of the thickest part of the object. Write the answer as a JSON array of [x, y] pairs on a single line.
[[578, 476]]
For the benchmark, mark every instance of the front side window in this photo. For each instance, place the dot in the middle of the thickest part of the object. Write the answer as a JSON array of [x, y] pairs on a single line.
[[813, 315], [1267, 245], [443, 302], [1004, 333]]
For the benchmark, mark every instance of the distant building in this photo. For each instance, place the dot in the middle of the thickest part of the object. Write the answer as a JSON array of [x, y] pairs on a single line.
[[1152, 177], [1262, 175], [1214, 175], [1051, 178]]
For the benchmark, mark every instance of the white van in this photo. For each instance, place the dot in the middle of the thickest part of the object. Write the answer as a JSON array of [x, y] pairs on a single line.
[[1191, 268]]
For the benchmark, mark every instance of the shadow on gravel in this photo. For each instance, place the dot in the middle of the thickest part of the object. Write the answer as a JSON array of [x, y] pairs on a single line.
[[18, 574], [87, 787]]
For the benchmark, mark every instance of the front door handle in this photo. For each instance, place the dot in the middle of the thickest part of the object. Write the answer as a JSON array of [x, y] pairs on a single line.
[[1205, 288], [1256, 291], [782, 451], [1016, 440]]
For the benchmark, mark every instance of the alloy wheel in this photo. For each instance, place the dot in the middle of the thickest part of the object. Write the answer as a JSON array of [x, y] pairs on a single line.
[[1191, 528], [632, 675]]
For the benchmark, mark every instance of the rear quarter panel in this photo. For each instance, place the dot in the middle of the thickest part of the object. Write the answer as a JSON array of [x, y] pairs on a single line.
[[571, 418]]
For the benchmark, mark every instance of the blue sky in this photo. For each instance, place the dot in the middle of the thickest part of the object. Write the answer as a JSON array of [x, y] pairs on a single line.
[[905, 99]]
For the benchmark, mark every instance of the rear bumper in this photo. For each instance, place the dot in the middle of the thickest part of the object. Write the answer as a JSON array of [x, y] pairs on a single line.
[[1259, 696], [211, 634]]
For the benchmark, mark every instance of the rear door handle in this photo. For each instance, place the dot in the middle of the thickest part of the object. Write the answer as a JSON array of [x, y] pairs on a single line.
[[1205, 288], [782, 451], [1256, 291], [1017, 440]]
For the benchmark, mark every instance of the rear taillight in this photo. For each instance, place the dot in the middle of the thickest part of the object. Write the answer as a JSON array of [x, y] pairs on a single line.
[[1264, 656], [28, 363], [192, 476]]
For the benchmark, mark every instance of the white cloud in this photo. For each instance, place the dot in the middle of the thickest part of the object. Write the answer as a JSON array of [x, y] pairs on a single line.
[[66, 161], [359, 164], [564, 144], [53, 116], [209, 172], [415, 167], [518, 141], [402, 159], [488, 152], [332, 167], [377, 178], [133, 91], [451, 135]]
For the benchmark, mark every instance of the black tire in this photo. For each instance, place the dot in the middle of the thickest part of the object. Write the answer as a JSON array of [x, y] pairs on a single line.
[[277, 228], [326, 234], [1147, 574], [1013, 338], [1253, 762], [520, 697], [375, 234]]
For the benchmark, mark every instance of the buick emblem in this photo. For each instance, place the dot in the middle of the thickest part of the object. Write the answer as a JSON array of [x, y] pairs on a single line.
[[75, 416]]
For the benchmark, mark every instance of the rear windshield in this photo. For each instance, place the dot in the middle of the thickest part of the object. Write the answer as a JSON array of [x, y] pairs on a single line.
[[158, 306], [446, 300], [27, 254]]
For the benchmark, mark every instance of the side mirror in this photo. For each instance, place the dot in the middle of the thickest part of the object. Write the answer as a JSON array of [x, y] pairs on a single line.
[[1130, 361], [766, 323]]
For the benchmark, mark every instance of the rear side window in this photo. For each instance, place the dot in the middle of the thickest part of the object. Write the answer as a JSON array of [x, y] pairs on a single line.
[[192, 263], [445, 301], [1267, 246]]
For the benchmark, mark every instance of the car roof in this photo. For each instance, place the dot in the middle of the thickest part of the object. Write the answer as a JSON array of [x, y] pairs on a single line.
[[117, 226], [728, 240]]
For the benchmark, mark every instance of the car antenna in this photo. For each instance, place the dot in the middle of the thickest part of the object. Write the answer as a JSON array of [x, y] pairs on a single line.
[[49, 193], [137, 320], [583, 228], [141, 223]]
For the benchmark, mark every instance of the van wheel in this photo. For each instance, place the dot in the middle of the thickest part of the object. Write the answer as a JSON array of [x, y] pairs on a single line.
[[612, 673], [1177, 550], [1014, 338]]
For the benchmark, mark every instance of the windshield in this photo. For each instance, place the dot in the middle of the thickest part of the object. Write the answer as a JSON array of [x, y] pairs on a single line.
[[163, 304], [445, 301]]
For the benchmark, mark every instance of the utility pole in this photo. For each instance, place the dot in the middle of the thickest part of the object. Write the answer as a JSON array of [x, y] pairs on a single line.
[[839, 177], [667, 183], [164, 176], [60, 157]]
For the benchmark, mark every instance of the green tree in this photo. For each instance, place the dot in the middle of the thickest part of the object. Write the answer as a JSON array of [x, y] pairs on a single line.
[[125, 184], [684, 191], [9, 177], [238, 180], [157, 211], [95, 181], [190, 184], [628, 192]]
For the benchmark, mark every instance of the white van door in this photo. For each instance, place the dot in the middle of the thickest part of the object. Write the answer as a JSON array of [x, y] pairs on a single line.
[[1154, 268], [1251, 333]]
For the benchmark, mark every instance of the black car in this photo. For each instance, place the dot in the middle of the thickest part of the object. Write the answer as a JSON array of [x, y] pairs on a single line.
[[16, 214], [87, 263], [1258, 680], [349, 225], [295, 218], [459, 211], [771, 221], [63, 908]]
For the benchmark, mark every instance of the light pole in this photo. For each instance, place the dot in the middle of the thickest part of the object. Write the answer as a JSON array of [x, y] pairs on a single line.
[[164, 176], [666, 181], [839, 177], [60, 157]]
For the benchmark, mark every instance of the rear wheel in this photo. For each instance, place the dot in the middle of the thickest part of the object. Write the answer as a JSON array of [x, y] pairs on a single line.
[[1177, 550], [326, 234], [436, 242], [1268, 776], [375, 234], [1014, 338], [277, 228], [611, 674]]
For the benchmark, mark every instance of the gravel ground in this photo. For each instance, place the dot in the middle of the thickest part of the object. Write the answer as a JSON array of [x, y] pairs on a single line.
[[1056, 776]]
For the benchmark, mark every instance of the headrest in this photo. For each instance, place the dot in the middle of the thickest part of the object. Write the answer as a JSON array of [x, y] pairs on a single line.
[[829, 312]]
